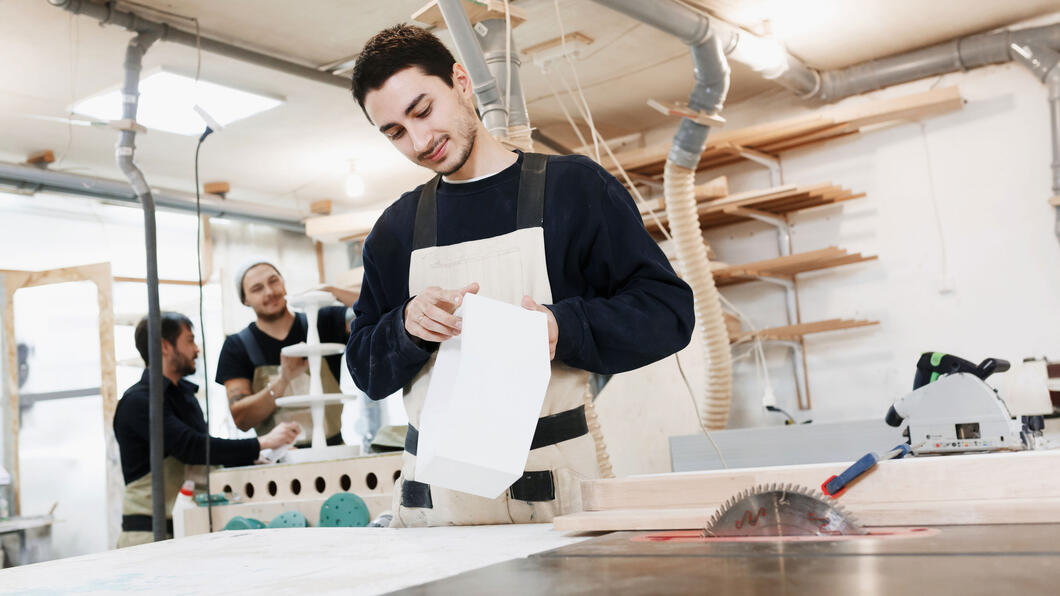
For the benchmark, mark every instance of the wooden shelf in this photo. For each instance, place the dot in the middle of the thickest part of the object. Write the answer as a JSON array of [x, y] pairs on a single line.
[[772, 201], [795, 332], [775, 137], [787, 267]]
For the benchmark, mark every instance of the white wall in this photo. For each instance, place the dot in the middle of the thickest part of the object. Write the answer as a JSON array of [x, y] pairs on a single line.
[[956, 210]]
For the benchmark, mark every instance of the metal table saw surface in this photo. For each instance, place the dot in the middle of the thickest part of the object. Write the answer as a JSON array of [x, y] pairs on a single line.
[[992, 559]]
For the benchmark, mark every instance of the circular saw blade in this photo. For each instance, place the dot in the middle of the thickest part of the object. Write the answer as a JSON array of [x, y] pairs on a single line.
[[781, 510]]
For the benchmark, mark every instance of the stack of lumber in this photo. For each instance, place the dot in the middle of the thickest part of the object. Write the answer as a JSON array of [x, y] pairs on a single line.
[[795, 332], [787, 267], [735, 208], [997, 488], [774, 137]]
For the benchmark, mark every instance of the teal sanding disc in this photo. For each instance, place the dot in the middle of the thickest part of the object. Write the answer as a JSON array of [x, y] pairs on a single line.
[[289, 519], [344, 510], [243, 523]]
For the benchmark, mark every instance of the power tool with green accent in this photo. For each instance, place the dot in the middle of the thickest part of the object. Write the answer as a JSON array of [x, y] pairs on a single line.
[[953, 410]]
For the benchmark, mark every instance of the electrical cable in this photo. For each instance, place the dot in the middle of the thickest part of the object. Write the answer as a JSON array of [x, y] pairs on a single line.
[[935, 206], [692, 395], [202, 323]]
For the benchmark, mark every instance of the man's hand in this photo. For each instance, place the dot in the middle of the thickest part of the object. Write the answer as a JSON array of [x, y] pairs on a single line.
[[283, 434], [429, 316], [553, 327], [291, 367]]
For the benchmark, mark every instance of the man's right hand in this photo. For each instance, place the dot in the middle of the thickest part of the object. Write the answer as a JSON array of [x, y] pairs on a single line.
[[283, 434], [291, 367], [429, 316]]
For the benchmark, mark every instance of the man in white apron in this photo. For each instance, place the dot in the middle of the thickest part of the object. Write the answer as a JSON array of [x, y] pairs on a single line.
[[556, 234], [252, 369], [184, 432]]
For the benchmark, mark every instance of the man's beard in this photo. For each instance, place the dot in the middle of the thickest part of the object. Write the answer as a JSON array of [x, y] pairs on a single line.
[[470, 126], [185, 366], [270, 317]]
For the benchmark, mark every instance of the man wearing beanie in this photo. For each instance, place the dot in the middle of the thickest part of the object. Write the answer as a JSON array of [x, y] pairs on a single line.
[[254, 372]]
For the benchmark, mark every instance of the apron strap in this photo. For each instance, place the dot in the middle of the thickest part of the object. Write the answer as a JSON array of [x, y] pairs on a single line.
[[530, 209], [142, 523], [425, 234], [253, 348], [250, 344], [550, 430], [530, 212]]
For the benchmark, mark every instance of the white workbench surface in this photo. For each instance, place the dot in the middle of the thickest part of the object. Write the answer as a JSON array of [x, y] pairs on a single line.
[[287, 561]]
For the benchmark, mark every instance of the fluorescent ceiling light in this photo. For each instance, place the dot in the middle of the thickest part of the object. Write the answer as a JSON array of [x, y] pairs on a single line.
[[167, 100]]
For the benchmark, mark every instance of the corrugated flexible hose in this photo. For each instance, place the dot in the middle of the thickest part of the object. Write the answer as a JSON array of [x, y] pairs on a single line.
[[679, 188]]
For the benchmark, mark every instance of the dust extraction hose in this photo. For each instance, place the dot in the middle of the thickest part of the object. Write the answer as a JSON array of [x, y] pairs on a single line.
[[679, 188]]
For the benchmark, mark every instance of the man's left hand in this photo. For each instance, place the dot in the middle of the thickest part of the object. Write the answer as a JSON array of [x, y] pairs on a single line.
[[553, 327]]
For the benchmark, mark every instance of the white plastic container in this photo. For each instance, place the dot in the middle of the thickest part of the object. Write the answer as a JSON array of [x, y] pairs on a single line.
[[183, 503]]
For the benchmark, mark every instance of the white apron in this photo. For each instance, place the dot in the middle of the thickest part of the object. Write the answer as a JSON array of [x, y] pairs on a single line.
[[563, 453]]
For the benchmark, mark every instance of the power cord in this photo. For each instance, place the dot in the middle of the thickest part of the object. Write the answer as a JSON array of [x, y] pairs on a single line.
[[202, 323]]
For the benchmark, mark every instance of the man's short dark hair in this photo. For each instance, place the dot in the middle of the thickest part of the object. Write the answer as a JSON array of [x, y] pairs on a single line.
[[173, 324], [394, 49]]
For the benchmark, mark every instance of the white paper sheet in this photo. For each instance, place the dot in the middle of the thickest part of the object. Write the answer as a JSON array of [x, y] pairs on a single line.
[[484, 399]]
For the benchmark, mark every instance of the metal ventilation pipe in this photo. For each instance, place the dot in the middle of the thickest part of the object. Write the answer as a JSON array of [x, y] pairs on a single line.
[[495, 51], [959, 54], [765, 57], [1045, 64], [108, 14], [134, 54], [708, 95], [28, 178], [490, 102]]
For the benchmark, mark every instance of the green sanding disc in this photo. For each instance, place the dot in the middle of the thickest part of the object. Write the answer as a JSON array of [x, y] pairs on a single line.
[[289, 519], [344, 510], [243, 523]]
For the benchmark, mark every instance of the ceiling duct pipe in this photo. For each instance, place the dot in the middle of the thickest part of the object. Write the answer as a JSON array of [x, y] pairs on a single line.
[[495, 50], [1045, 64], [963, 53], [711, 73], [491, 104], [26, 178], [108, 14], [134, 54]]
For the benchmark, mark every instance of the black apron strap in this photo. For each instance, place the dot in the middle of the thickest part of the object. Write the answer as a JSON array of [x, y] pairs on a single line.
[[416, 494], [533, 486], [530, 212], [250, 344], [301, 322], [142, 523], [550, 430], [425, 233], [530, 209]]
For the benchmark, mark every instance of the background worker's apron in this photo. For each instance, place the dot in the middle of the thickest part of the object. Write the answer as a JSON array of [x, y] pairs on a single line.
[[506, 268], [136, 507], [268, 373]]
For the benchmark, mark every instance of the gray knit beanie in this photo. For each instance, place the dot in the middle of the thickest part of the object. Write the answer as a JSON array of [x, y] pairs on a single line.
[[242, 272]]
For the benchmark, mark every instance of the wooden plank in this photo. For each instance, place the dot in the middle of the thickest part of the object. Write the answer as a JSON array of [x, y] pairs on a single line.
[[321, 207], [41, 158], [929, 513], [801, 131], [575, 37], [216, 188], [1018, 475], [477, 10], [164, 282], [787, 332]]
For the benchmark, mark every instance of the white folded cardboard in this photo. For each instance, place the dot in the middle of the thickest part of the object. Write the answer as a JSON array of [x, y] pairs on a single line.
[[484, 399]]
